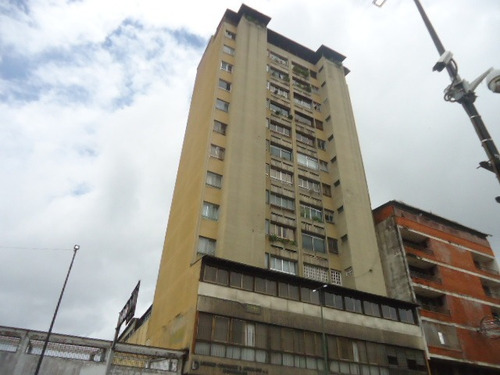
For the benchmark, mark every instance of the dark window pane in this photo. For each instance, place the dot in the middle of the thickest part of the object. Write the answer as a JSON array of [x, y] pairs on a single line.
[[210, 274], [221, 330], [236, 279], [237, 334], [247, 282], [204, 327]]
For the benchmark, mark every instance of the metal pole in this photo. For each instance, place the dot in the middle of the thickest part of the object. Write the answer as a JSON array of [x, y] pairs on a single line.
[[40, 359], [321, 292], [467, 101], [323, 333]]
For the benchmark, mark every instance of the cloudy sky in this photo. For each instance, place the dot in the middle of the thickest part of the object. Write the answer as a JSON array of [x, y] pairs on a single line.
[[94, 98]]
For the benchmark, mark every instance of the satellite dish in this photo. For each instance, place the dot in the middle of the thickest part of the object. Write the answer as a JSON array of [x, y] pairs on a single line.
[[490, 327]]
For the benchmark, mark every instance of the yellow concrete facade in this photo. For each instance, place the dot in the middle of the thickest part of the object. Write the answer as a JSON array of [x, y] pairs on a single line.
[[290, 194]]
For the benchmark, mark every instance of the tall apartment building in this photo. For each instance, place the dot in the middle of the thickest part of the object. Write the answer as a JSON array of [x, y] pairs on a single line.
[[270, 256], [451, 272]]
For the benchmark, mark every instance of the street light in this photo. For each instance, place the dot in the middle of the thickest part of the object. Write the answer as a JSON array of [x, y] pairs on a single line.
[[321, 292], [40, 359], [462, 92]]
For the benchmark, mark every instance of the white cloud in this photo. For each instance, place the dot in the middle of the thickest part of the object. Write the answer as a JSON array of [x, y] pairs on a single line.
[[92, 121]]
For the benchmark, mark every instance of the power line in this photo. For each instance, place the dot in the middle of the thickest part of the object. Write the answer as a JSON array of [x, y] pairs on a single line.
[[34, 248]]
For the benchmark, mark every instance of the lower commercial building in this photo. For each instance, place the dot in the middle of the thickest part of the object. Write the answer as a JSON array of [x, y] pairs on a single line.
[[250, 320], [451, 272]]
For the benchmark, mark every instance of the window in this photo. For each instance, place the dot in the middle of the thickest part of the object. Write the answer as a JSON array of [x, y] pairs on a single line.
[[282, 265], [214, 179], [305, 139], [334, 300], [217, 152], [230, 34], [278, 74], [219, 127], [329, 216], [281, 152], [226, 66], [333, 246], [313, 243], [317, 106], [210, 211], [336, 183], [441, 335], [406, 316], [221, 328], [311, 213], [228, 50], [435, 303], [278, 128], [288, 291], [314, 89], [316, 273], [336, 277], [306, 120], [371, 308], [327, 190], [215, 275], [241, 281], [265, 286], [222, 105], [279, 110], [389, 312], [307, 294], [281, 201], [301, 85], [349, 271], [281, 231], [353, 304], [281, 176], [307, 161], [276, 90], [309, 184], [319, 124], [224, 85], [206, 246], [302, 101], [323, 166], [321, 144], [340, 209], [278, 59]]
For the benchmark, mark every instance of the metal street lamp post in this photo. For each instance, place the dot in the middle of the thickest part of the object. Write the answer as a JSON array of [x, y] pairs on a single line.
[[462, 92], [40, 359], [321, 292]]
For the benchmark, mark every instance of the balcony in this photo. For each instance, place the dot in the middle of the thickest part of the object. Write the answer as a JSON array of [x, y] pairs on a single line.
[[284, 220], [422, 269], [311, 228], [310, 200], [485, 263], [426, 274], [432, 301]]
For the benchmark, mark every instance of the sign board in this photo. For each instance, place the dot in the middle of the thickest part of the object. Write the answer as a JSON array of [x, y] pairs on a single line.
[[128, 310]]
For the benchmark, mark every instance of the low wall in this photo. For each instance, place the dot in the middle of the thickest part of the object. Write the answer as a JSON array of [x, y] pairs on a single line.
[[20, 350]]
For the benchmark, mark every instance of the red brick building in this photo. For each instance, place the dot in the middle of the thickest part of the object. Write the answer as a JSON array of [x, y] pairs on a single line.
[[451, 271]]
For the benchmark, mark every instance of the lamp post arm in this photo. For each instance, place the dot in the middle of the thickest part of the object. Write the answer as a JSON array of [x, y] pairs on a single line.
[[466, 97]]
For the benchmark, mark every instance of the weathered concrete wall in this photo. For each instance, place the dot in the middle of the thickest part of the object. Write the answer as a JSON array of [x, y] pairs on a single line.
[[393, 260], [70, 355]]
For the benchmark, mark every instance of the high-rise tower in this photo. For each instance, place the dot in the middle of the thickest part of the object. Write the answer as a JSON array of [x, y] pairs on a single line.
[[270, 204]]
